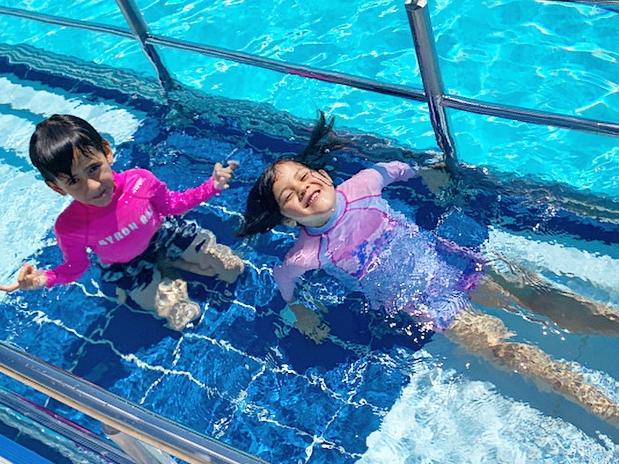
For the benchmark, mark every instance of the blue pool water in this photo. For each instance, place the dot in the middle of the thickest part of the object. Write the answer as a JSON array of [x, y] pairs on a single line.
[[374, 392], [537, 54]]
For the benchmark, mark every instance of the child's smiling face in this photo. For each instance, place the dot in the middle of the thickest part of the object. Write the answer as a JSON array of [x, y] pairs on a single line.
[[91, 181], [304, 195]]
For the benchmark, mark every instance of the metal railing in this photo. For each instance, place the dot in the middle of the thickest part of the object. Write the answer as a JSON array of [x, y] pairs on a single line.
[[417, 11], [116, 412], [144, 425], [34, 421], [425, 49]]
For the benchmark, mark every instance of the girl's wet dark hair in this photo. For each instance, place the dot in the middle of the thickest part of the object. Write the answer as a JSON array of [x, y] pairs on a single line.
[[56, 140], [262, 211]]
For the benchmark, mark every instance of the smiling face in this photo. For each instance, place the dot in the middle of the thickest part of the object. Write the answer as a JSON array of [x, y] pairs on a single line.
[[91, 181], [304, 195]]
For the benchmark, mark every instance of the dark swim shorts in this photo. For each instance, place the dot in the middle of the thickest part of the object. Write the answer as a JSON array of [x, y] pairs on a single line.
[[171, 240]]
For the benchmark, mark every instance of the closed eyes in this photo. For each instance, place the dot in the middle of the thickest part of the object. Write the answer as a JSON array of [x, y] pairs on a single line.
[[289, 193]]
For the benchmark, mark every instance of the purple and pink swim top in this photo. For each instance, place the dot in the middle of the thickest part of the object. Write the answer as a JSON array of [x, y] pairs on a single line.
[[378, 251], [122, 230]]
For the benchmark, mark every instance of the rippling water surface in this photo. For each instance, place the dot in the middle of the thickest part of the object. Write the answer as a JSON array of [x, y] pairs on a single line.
[[377, 393], [538, 54]]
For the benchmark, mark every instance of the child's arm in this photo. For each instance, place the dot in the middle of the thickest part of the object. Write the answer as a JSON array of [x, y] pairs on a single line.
[[169, 202], [75, 260], [286, 277], [395, 171], [373, 180], [300, 259], [75, 264]]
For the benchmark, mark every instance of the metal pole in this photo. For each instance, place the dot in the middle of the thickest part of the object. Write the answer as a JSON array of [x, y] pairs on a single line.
[[610, 5], [289, 68], [447, 101], [421, 28], [56, 20], [116, 412], [140, 30], [39, 419], [531, 116]]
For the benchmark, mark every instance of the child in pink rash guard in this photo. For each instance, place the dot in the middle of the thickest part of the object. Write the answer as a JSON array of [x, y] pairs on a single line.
[[351, 232], [125, 219]]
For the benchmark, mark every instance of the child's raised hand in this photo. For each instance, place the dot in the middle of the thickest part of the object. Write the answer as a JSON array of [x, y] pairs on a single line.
[[441, 164], [222, 176], [28, 278]]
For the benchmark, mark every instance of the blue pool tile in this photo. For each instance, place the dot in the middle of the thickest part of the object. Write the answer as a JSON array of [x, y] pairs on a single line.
[[383, 381], [329, 453], [351, 427], [217, 364], [17, 454], [45, 339], [293, 400], [254, 431], [302, 353], [100, 365], [136, 330], [67, 306], [191, 405]]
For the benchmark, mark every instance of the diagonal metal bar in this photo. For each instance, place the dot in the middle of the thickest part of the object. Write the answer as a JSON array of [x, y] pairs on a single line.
[[531, 116], [117, 412], [49, 19], [137, 24], [289, 68]]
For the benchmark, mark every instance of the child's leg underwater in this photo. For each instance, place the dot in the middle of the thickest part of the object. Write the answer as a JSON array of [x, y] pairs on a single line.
[[204, 256], [168, 298], [487, 336], [567, 309]]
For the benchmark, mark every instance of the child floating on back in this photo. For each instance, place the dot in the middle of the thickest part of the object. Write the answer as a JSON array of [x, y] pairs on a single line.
[[125, 218], [351, 232]]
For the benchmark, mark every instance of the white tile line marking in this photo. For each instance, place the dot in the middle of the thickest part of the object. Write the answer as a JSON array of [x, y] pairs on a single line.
[[107, 118]]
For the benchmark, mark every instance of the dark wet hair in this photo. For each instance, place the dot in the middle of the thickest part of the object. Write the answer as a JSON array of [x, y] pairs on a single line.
[[56, 140], [262, 212]]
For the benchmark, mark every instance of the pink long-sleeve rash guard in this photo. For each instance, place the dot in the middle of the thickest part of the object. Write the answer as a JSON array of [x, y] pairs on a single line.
[[122, 230]]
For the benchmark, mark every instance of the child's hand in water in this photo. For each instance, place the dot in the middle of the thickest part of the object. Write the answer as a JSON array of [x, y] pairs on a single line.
[[28, 278], [435, 176], [222, 176], [440, 164], [306, 321]]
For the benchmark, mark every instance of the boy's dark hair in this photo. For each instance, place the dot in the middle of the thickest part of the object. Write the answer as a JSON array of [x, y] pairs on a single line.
[[56, 140], [262, 211]]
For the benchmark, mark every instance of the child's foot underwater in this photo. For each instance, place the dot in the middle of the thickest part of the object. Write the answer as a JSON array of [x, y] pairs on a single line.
[[206, 257], [173, 304], [167, 297]]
